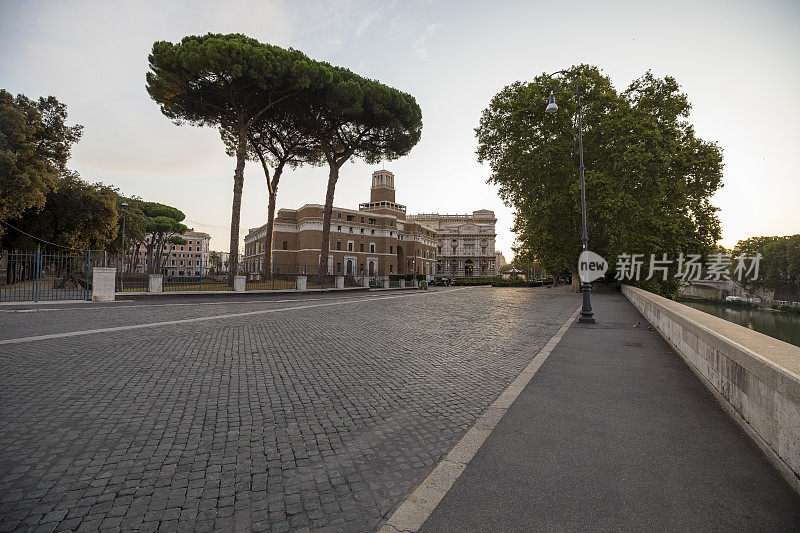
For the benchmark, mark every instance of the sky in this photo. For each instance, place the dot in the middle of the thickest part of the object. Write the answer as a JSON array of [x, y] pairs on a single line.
[[737, 61]]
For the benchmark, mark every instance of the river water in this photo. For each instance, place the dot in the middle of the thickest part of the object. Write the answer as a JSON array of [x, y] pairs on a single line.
[[781, 325]]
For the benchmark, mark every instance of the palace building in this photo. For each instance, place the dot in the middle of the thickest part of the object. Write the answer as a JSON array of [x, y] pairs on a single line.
[[378, 239]]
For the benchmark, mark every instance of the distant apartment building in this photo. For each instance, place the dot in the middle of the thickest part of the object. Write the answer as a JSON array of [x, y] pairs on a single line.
[[377, 239], [190, 259]]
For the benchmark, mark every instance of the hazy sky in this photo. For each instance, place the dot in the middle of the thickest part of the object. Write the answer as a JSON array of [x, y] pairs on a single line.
[[738, 62]]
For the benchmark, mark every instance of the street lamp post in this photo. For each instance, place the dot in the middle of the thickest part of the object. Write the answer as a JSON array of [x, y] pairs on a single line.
[[122, 269], [587, 315]]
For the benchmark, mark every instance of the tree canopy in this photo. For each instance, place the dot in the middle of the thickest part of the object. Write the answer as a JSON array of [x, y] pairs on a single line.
[[76, 215], [779, 267], [649, 178], [227, 82], [35, 144]]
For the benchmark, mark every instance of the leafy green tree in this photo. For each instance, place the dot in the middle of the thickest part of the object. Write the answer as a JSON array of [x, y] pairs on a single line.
[[649, 178], [216, 262], [35, 144], [779, 266], [135, 230], [353, 116], [227, 82], [163, 228], [76, 215]]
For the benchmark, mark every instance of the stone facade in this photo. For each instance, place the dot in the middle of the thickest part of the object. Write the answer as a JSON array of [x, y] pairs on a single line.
[[377, 239], [464, 243]]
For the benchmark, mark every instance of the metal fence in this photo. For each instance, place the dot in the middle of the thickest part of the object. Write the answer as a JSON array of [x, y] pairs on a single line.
[[280, 276], [200, 279], [38, 275]]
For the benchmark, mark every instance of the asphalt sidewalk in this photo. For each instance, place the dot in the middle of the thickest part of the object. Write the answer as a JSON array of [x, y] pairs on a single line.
[[615, 432]]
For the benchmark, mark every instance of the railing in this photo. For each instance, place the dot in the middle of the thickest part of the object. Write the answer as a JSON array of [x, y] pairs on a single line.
[[200, 279], [39, 275], [279, 277], [132, 282]]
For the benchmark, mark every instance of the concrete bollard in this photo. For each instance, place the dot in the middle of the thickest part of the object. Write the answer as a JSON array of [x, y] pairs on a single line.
[[239, 283], [104, 284], [402, 284], [155, 283], [302, 283], [340, 282], [365, 281], [386, 282]]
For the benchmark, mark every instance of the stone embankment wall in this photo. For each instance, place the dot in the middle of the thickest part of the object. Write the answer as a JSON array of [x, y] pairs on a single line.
[[756, 378]]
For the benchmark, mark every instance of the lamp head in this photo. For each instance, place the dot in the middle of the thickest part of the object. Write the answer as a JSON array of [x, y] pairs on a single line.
[[124, 205], [551, 106]]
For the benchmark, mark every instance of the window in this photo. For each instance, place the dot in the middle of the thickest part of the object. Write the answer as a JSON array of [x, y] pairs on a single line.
[[338, 228], [362, 220], [362, 231], [338, 245], [372, 248], [391, 249], [361, 247], [373, 232], [351, 229], [190, 248], [372, 221], [338, 267], [349, 246], [349, 218], [285, 245], [338, 215], [391, 269]]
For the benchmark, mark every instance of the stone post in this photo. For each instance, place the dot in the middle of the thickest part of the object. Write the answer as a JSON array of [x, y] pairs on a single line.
[[402, 284], [365, 281], [240, 283], [302, 283], [155, 283], [386, 282], [104, 284], [340, 282]]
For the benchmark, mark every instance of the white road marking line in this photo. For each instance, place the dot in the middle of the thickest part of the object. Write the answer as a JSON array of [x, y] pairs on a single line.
[[20, 340]]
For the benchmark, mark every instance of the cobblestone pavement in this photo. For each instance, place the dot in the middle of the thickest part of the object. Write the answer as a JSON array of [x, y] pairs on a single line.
[[320, 417]]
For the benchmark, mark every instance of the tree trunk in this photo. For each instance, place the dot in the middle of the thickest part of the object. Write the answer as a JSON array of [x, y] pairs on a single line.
[[333, 177], [273, 198], [236, 210], [576, 279], [135, 258]]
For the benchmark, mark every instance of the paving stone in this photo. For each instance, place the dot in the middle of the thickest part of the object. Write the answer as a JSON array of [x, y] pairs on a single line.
[[324, 417]]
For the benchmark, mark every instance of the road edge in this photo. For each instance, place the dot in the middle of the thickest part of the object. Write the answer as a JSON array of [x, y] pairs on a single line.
[[413, 512]]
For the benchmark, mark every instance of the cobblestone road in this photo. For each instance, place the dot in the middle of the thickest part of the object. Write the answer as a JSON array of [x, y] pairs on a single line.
[[327, 415]]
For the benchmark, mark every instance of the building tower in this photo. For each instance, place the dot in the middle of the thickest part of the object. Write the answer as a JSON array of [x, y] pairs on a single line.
[[382, 186], [381, 196]]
